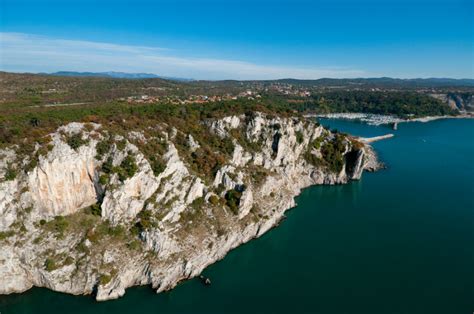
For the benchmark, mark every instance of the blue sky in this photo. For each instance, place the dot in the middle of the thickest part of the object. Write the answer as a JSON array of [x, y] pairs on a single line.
[[245, 39]]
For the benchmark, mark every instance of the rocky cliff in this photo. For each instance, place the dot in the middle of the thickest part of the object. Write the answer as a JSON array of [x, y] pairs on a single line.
[[98, 212], [462, 102]]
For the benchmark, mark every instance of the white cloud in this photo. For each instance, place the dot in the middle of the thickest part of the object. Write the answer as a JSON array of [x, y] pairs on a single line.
[[32, 53]]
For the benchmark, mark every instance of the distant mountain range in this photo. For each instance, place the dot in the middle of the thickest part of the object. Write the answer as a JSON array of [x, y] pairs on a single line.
[[383, 81], [113, 74], [386, 82]]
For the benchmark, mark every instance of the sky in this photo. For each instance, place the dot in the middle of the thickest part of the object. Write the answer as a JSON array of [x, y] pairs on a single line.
[[230, 39]]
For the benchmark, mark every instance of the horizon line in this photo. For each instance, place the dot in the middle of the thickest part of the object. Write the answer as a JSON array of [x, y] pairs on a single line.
[[159, 76]]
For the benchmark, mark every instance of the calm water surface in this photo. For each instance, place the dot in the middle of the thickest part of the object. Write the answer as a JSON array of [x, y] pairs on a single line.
[[399, 241]]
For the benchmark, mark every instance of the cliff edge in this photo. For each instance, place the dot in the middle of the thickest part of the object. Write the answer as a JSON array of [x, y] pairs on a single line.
[[93, 210]]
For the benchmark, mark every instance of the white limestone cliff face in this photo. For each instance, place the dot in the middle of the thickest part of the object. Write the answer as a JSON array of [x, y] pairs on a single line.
[[65, 180], [458, 102], [62, 182], [240, 157], [8, 208], [127, 200], [191, 225], [246, 203], [222, 126]]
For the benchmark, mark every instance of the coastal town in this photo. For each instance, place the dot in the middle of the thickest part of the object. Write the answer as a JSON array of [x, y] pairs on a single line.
[[253, 93]]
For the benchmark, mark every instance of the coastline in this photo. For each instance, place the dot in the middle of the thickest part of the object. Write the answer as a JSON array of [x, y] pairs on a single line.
[[174, 250], [302, 238], [377, 119]]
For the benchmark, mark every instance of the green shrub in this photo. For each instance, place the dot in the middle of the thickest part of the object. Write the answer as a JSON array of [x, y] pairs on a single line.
[[127, 168], [157, 165], [133, 245], [6, 234], [104, 179], [332, 153], [145, 222], [232, 198], [214, 200], [58, 225], [299, 137], [121, 144], [75, 141], [116, 231], [103, 230], [316, 143], [198, 202], [107, 166], [135, 230], [31, 164], [102, 148], [68, 261], [95, 210], [50, 264], [34, 122], [104, 279], [312, 159], [10, 174]]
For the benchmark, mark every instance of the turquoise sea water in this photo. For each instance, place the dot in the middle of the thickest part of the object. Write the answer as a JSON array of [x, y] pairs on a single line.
[[400, 240]]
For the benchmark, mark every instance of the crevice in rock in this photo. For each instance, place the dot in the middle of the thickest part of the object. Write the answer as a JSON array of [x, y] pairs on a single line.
[[352, 162]]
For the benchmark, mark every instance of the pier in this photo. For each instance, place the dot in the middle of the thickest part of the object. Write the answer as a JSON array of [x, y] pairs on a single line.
[[375, 138]]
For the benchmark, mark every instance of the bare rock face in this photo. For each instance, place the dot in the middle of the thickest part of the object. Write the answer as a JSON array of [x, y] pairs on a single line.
[[223, 178], [223, 126], [193, 145], [246, 203], [64, 181], [195, 191], [14, 278], [127, 200], [8, 209], [161, 221], [464, 103], [240, 157]]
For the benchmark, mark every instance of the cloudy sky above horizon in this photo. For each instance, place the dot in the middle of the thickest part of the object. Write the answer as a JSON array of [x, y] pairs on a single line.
[[241, 39]]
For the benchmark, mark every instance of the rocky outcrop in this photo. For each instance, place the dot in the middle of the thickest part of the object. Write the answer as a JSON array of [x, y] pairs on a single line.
[[160, 222], [124, 202], [64, 180], [463, 102]]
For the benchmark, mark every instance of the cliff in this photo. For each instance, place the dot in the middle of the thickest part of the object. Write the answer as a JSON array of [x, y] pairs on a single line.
[[98, 211], [462, 102]]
